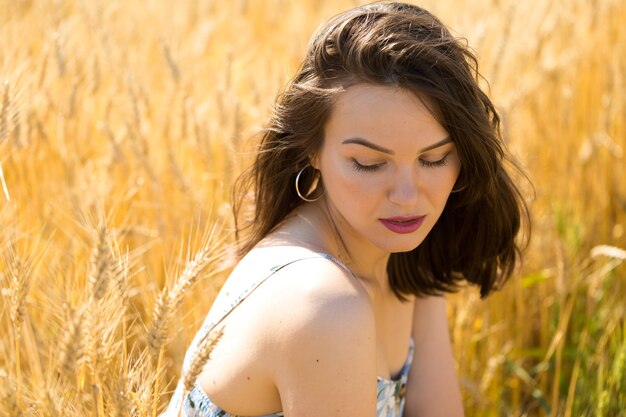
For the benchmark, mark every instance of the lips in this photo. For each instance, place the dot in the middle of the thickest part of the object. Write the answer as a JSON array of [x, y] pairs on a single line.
[[403, 225]]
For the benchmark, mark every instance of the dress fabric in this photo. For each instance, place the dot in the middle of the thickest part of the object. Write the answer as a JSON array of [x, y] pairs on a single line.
[[196, 403]]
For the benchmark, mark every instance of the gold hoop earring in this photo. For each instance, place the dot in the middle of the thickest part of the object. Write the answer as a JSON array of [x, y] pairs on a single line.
[[308, 200]]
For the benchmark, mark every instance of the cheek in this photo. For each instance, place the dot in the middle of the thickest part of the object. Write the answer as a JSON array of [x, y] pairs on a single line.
[[348, 188], [351, 185]]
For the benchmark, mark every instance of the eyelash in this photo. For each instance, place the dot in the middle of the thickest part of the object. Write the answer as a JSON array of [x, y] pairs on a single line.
[[435, 164], [365, 168], [428, 164]]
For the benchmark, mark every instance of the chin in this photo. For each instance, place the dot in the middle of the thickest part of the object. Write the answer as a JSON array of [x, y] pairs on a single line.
[[401, 248], [404, 250]]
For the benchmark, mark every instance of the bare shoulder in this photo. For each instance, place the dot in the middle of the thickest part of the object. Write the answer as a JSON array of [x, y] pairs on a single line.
[[317, 294], [309, 294], [324, 337]]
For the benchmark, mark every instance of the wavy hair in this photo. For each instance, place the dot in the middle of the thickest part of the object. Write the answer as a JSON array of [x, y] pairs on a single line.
[[399, 45]]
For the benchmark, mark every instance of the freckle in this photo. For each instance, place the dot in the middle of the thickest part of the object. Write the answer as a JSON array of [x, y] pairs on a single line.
[[248, 378]]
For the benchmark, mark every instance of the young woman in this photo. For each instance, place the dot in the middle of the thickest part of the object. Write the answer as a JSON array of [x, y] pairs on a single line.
[[379, 186]]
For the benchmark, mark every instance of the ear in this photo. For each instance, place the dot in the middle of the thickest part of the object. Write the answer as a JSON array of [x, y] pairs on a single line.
[[314, 159]]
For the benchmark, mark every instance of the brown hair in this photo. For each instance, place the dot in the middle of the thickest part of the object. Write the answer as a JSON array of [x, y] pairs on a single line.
[[396, 44]]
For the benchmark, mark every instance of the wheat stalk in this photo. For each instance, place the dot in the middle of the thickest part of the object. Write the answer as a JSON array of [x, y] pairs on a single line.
[[169, 301], [120, 277], [202, 355], [70, 348], [171, 65], [58, 54], [4, 132], [101, 264], [20, 277], [138, 148], [160, 316], [178, 173], [191, 274], [157, 337], [4, 113], [20, 280], [120, 396]]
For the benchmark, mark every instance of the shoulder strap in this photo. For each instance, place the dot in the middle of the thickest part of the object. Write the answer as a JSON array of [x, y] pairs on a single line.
[[337, 261], [256, 284]]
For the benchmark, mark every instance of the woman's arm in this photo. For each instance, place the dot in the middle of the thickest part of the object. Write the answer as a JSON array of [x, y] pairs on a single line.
[[432, 386]]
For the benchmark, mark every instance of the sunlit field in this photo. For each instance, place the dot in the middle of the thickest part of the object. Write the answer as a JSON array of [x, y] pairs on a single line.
[[123, 125]]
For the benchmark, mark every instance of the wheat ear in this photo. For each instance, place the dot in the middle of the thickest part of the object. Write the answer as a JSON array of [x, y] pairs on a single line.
[[101, 262], [70, 344], [202, 355], [168, 301], [160, 315]]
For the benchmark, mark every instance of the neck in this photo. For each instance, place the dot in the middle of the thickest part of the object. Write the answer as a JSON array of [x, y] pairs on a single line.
[[365, 260]]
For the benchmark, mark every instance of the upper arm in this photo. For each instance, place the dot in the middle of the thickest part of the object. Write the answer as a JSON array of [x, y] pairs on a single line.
[[326, 365], [432, 386]]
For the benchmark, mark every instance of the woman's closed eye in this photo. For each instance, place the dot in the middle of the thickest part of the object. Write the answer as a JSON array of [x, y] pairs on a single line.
[[435, 164], [366, 167], [362, 167]]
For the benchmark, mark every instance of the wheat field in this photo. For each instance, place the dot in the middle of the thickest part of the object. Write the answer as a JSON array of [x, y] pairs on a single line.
[[123, 125]]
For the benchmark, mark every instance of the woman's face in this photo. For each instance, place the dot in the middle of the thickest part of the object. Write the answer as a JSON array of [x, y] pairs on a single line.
[[387, 166]]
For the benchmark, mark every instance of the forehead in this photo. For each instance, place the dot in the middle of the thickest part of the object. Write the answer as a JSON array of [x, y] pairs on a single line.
[[385, 114]]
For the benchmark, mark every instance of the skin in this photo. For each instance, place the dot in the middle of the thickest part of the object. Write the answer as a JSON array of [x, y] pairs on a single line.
[[363, 185], [312, 339]]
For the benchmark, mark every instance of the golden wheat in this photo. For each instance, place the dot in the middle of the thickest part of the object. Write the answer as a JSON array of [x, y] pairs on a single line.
[[124, 124], [201, 356], [99, 275]]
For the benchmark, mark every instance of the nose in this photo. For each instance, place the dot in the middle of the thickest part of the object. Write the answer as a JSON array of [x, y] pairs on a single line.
[[404, 189]]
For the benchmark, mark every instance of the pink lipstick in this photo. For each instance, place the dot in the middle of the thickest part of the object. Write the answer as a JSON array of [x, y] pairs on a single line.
[[403, 224]]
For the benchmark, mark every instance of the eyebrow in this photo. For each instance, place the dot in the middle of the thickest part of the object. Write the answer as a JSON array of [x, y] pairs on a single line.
[[368, 144]]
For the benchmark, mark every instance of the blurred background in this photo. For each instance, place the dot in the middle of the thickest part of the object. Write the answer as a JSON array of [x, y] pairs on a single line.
[[123, 125]]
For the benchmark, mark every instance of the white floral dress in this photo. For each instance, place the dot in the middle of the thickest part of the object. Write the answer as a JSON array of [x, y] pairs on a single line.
[[196, 403]]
